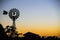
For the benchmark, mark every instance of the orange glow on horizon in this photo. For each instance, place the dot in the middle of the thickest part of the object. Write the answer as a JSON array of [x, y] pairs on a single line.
[[43, 30]]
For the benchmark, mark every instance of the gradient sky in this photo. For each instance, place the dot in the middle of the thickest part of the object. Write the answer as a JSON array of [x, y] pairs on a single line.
[[37, 16]]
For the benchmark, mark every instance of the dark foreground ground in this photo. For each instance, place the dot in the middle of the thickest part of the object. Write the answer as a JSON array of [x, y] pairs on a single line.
[[27, 36]]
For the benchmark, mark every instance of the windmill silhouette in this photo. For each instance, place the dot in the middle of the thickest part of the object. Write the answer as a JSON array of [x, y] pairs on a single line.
[[13, 14]]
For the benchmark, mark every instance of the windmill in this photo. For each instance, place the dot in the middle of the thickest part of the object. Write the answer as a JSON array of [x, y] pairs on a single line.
[[13, 14]]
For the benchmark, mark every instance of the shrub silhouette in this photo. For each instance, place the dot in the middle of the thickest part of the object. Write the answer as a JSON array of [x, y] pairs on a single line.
[[2, 33]]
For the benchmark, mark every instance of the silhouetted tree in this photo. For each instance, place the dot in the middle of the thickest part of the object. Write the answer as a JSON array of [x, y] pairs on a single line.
[[3, 35]]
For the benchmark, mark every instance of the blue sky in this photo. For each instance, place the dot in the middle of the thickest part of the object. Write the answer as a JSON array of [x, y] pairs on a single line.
[[34, 9]]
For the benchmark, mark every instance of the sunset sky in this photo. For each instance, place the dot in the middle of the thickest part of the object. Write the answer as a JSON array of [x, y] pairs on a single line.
[[37, 16]]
